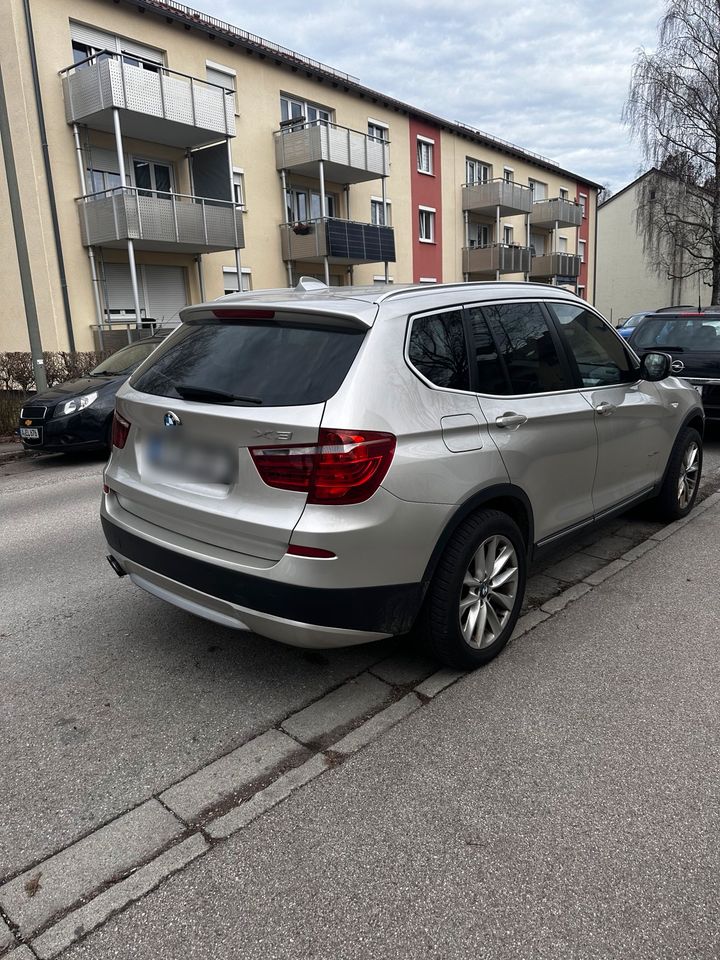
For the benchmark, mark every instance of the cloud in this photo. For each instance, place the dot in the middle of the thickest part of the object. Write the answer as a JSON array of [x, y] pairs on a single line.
[[549, 76]]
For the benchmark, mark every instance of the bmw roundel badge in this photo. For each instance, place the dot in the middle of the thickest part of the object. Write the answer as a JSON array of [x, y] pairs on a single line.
[[171, 419]]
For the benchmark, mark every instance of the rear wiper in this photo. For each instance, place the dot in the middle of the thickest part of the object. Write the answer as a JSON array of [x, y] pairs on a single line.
[[188, 392]]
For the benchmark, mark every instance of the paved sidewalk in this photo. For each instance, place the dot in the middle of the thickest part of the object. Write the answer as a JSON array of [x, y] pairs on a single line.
[[561, 803]]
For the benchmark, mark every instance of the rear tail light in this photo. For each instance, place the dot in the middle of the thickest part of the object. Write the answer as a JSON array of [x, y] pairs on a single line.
[[345, 466], [120, 430]]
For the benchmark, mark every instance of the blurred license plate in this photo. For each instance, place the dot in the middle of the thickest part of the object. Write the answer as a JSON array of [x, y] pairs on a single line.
[[30, 433], [187, 461]]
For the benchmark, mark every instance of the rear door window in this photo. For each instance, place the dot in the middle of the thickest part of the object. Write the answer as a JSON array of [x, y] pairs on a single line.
[[528, 347], [491, 378], [438, 349], [263, 363]]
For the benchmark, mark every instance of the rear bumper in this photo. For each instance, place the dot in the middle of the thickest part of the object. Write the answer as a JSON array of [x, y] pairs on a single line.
[[298, 615]]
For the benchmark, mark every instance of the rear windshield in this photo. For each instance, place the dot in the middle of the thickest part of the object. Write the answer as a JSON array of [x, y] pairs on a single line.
[[266, 363], [691, 334], [125, 359]]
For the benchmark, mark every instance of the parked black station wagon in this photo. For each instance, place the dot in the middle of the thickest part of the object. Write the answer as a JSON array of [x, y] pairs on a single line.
[[77, 415], [692, 338]]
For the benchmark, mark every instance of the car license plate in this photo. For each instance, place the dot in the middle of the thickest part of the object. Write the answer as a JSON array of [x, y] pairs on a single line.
[[190, 462], [30, 433]]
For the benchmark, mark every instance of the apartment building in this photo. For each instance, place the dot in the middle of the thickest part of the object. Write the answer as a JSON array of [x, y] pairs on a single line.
[[163, 157]]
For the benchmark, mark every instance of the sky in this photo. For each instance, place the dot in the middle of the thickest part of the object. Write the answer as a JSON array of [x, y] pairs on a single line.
[[551, 77]]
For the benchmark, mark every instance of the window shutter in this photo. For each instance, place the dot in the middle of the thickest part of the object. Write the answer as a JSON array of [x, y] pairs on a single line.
[[92, 36]]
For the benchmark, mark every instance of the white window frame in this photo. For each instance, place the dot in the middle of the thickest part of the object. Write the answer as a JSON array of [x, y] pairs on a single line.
[[582, 246], [380, 278], [378, 201], [583, 204], [246, 274], [507, 234], [239, 172], [562, 244], [378, 124], [581, 292], [425, 149], [431, 211], [479, 229], [153, 161], [511, 172], [288, 98], [564, 193], [478, 165], [427, 280]]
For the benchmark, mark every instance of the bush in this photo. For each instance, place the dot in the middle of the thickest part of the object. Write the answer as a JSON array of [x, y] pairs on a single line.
[[17, 378]]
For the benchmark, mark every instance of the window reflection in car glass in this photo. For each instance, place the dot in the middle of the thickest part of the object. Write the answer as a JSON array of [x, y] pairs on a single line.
[[528, 348], [491, 377], [601, 358]]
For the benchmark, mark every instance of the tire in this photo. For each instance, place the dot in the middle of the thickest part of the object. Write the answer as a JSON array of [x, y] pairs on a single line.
[[682, 478], [461, 578]]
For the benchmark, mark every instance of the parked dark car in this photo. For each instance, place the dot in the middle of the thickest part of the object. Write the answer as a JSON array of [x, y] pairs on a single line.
[[77, 415], [692, 338]]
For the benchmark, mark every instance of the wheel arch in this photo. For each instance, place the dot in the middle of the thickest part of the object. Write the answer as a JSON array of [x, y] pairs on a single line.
[[505, 497]]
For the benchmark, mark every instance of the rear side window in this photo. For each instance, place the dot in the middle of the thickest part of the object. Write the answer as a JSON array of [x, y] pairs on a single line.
[[528, 347], [263, 363], [438, 350]]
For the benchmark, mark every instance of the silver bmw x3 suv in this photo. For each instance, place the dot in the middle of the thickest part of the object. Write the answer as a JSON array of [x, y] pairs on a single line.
[[333, 466]]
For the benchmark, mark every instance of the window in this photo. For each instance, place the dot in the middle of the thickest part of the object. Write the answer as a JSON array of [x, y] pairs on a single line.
[[583, 204], [599, 354], [581, 292], [304, 113], [230, 280], [490, 374], [508, 174], [378, 130], [562, 244], [476, 172], [528, 348], [239, 186], [507, 235], [221, 76], [563, 193], [152, 178], [438, 351], [425, 155], [81, 51], [478, 235], [381, 217], [538, 190], [581, 250], [427, 224], [537, 244], [379, 278], [304, 205], [102, 180]]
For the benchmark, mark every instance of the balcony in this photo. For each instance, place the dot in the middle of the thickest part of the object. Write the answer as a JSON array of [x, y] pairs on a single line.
[[497, 257], [485, 198], [349, 156], [159, 105], [341, 241], [158, 221], [555, 265], [545, 214]]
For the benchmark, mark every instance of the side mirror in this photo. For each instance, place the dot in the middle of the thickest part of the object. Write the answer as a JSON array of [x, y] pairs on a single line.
[[655, 366]]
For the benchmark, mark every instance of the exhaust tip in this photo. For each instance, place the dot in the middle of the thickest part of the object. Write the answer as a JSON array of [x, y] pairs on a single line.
[[116, 566]]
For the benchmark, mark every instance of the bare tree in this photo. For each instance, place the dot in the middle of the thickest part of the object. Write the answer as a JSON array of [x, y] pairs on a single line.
[[673, 110]]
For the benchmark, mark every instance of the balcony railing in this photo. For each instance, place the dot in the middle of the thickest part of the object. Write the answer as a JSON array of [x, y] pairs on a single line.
[[349, 156], [159, 221], [546, 214], [555, 265], [159, 105], [502, 257], [342, 241], [485, 198]]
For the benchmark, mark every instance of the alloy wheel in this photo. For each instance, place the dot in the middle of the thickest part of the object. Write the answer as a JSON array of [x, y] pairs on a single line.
[[489, 591], [688, 475]]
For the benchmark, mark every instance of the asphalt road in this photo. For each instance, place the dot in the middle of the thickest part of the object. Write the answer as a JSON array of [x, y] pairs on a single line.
[[109, 695]]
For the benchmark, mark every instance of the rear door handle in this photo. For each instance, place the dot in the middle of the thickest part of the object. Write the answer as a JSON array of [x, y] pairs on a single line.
[[511, 419], [604, 408]]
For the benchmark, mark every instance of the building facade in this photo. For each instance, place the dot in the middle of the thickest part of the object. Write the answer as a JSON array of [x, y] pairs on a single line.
[[163, 157], [626, 281]]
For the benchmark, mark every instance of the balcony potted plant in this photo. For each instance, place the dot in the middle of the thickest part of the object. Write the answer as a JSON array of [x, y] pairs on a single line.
[[302, 228]]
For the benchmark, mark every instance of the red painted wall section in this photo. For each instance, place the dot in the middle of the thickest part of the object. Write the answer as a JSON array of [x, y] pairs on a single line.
[[425, 190], [584, 234]]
